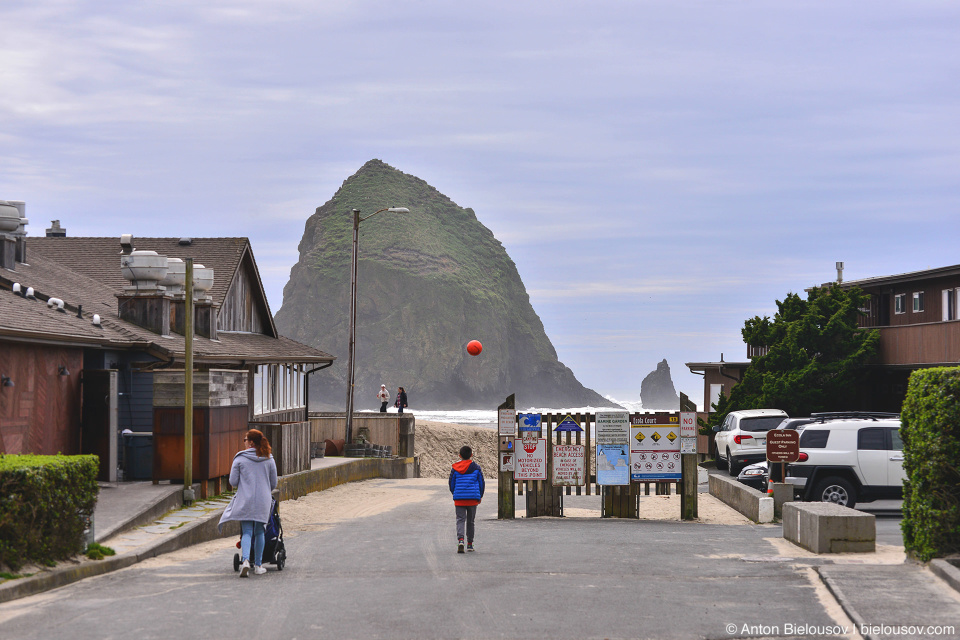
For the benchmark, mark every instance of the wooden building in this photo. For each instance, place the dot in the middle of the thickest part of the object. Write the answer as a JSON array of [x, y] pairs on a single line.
[[90, 354]]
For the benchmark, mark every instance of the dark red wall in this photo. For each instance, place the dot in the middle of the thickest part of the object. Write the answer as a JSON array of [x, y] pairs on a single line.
[[41, 413]]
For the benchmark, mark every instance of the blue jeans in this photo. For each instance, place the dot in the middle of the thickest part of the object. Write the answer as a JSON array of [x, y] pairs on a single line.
[[250, 529]]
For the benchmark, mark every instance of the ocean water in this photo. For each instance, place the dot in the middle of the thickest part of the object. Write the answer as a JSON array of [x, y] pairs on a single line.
[[488, 418]]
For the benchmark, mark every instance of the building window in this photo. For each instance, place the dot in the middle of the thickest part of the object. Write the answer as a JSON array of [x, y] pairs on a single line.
[[900, 303], [716, 390], [917, 301], [949, 304]]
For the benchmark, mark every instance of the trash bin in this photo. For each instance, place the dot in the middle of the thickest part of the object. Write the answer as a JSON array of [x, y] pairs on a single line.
[[138, 455]]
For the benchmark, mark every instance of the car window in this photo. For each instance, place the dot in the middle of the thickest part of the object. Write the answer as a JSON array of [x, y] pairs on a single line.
[[814, 439], [872, 439], [764, 423], [896, 441]]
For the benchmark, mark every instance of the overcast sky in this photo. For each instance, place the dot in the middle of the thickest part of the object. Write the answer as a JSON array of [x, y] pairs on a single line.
[[659, 171]]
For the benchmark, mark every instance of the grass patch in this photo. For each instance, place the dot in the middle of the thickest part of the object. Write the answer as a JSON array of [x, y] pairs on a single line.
[[96, 551]]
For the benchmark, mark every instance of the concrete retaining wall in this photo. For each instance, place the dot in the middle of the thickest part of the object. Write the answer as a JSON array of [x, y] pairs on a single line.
[[824, 527], [750, 502]]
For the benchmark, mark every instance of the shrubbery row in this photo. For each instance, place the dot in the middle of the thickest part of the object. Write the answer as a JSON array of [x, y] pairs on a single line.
[[930, 429], [44, 504]]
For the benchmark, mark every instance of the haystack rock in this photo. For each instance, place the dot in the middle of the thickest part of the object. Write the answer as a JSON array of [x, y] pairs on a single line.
[[657, 391], [429, 282]]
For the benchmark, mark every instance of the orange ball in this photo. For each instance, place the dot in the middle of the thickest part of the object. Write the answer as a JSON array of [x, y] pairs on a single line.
[[474, 347]]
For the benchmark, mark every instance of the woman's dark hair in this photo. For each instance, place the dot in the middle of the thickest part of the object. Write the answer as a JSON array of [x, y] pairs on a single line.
[[260, 442], [401, 389], [466, 452]]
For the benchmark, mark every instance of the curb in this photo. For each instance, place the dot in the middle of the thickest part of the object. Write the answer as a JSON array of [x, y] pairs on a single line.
[[947, 572], [845, 604], [155, 511]]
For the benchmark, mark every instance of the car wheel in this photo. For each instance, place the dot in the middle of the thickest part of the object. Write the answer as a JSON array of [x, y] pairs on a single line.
[[721, 463], [734, 466], [837, 491]]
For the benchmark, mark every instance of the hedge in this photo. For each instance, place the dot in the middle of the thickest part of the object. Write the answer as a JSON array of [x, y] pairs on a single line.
[[930, 429], [44, 504]]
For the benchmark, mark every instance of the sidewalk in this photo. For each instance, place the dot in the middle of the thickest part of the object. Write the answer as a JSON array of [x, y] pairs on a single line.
[[140, 520]]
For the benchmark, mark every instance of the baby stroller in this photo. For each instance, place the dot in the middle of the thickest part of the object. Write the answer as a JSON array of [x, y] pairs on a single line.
[[273, 549]]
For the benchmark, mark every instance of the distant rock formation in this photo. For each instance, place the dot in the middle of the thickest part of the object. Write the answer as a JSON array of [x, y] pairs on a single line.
[[429, 282], [657, 391]]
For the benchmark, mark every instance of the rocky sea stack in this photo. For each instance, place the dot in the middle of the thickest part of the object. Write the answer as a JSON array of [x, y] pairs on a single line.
[[429, 282], [657, 391]]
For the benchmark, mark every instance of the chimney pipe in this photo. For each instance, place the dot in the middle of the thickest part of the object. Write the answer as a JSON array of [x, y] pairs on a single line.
[[839, 272]]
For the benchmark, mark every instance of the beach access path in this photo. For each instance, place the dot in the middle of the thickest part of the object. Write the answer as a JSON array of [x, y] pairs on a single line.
[[377, 559]]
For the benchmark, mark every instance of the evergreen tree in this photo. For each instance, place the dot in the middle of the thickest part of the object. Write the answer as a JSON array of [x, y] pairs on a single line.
[[815, 360]]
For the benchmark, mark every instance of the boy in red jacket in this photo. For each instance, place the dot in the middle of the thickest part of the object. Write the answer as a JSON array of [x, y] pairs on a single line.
[[466, 485]]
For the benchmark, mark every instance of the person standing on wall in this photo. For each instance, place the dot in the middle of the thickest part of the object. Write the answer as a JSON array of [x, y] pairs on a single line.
[[401, 401], [254, 475], [384, 397]]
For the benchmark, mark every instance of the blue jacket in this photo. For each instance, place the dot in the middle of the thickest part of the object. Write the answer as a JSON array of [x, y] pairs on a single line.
[[466, 483]]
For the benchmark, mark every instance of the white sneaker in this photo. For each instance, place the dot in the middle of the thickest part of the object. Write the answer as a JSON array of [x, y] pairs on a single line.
[[244, 568], [259, 571]]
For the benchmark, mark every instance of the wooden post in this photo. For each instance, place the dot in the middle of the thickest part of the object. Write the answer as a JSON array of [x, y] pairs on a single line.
[[689, 471], [188, 496], [506, 507]]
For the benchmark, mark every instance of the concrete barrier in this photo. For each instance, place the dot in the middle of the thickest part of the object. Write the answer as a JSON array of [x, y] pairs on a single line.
[[825, 527], [750, 502]]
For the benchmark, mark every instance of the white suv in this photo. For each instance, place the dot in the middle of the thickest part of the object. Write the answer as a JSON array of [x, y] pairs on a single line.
[[742, 438], [848, 458]]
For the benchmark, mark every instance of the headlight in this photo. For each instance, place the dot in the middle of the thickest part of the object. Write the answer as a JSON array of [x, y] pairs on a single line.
[[753, 472]]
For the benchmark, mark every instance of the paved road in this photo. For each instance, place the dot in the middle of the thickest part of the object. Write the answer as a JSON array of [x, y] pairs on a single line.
[[395, 574]]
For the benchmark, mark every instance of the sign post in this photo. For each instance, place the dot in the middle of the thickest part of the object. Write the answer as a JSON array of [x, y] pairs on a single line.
[[506, 508], [783, 446], [688, 455]]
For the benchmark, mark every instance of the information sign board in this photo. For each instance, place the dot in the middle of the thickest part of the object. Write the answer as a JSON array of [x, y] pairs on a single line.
[[568, 424], [688, 445], [655, 451], [688, 424], [508, 422], [783, 445], [569, 465], [529, 422], [506, 461], [613, 448], [530, 462]]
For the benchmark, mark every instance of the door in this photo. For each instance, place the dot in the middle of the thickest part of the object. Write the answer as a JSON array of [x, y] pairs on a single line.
[[895, 472], [873, 456], [98, 422]]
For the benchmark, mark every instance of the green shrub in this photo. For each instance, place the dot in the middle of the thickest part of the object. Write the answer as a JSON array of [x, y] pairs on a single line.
[[45, 502], [96, 551], [931, 454]]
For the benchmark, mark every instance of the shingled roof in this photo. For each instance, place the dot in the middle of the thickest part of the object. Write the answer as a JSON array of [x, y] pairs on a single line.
[[85, 272]]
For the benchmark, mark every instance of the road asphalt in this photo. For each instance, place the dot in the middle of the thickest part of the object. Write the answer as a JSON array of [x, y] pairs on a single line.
[[396, 574]]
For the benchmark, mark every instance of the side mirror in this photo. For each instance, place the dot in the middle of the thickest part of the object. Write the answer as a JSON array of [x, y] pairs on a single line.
[[716, 428]]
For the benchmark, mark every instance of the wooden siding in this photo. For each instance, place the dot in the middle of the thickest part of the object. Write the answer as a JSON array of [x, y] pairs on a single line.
[[921, 344], [40, 414], [217, 436], [214, 388], [136, 400], [241, 310], [883, 302], [384, 430]]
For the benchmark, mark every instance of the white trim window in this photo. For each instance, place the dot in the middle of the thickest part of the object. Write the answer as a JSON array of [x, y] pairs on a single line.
[[918, 301], [949, 304], [900, 303], [277, 387]]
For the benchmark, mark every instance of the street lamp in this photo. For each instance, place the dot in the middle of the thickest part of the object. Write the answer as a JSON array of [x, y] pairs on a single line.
[[353, 311]]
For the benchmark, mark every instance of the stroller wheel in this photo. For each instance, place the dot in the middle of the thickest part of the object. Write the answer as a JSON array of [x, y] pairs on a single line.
[[281, 559], [236, 562]]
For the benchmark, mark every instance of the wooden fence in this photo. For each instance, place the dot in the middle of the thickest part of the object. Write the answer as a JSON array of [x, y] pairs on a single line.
[[387, 429]]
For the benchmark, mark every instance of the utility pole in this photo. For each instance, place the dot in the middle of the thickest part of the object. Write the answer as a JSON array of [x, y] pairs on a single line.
[[188, 494]]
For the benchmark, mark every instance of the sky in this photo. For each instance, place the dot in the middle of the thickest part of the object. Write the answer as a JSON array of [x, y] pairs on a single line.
[[659, 171]]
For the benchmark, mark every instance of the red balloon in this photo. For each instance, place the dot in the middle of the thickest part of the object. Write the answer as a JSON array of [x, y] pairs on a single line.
[[474, 347]]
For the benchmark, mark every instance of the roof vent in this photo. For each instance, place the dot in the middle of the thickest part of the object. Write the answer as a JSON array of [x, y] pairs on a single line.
[[186, 242], [176, 276], [55, 303], [9, 217], [17, 288], [202, 281], [30, 294], [126, 243], [96, 319], [55, 230], [145, 269]]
